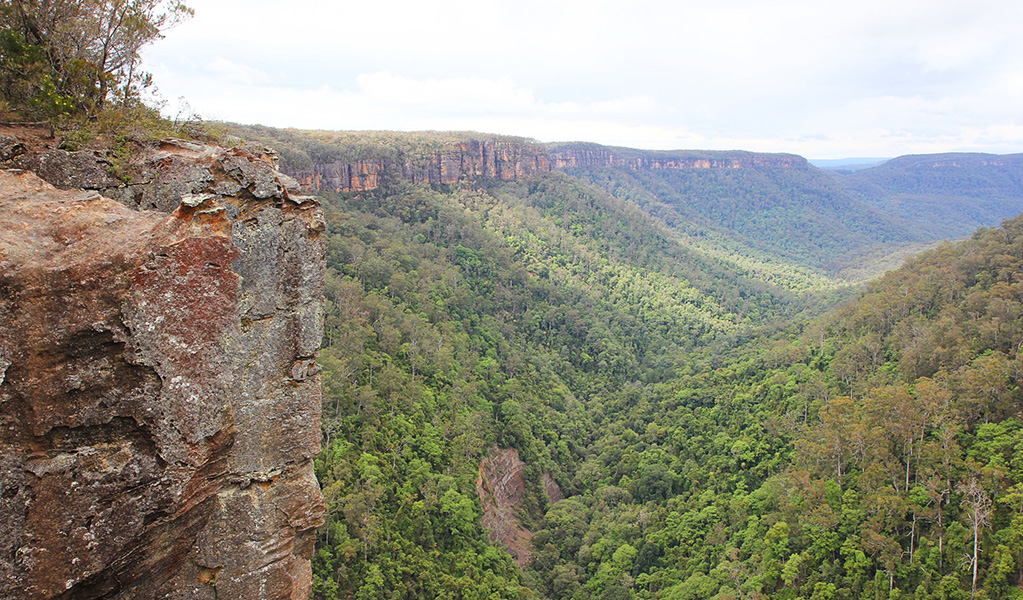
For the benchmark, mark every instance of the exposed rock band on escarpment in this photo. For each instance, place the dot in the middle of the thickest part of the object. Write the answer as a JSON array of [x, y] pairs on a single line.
[[511, 160], [462, 160], [159, 399]]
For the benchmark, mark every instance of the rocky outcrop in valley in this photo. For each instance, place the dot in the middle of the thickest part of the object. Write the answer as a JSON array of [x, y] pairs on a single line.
[[502, 487]]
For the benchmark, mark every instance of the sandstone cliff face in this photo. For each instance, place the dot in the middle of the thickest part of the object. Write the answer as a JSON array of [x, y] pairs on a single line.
[[159, 399], [511, 160], [592, 155], [463, 160]]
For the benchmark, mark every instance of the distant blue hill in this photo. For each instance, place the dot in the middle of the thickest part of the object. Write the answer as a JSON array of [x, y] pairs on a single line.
[[846, 164]]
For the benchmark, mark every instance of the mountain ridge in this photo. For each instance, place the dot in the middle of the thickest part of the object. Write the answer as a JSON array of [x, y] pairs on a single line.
[[847, 225], [602, 325]]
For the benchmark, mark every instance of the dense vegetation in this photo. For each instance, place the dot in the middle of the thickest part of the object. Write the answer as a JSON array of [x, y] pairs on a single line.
[[848, 224], [876, 454], [712, 440], [952, 194], [800, 213], [75, 65], [463, 318]]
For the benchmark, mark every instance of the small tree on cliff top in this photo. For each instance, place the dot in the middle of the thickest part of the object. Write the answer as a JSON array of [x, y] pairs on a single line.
[[62, 57]]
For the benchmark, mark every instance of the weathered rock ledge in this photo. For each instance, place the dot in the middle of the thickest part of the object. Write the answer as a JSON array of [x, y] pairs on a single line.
[[159, 398]]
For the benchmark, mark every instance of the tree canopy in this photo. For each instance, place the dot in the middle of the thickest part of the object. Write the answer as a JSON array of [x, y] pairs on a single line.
[[871, 453], [61, 57]]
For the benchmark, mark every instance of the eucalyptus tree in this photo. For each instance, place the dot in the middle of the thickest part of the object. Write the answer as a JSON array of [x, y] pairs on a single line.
[[68, 56]]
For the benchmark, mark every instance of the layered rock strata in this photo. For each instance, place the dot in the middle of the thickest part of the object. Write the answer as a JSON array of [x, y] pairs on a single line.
[[512, 160], [465, 160], [159, 397], [502, 487], [569, 156]]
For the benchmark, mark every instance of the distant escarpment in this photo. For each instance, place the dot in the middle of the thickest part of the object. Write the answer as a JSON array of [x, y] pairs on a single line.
[[773, 206], [951, 194], [458, 161], [568, 156], [159, 396], [956, 160], [360, 161]]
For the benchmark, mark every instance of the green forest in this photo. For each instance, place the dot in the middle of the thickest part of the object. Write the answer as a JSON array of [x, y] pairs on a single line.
[[716, 431]]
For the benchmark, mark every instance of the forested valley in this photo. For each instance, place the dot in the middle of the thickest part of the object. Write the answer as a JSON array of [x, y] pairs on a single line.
[[716, 423], [713, 390]]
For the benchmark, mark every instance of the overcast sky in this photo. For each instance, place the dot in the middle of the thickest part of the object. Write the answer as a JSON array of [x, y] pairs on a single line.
[[824, 79]]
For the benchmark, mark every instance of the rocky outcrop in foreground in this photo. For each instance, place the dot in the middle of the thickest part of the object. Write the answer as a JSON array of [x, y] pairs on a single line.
[[159, 399]]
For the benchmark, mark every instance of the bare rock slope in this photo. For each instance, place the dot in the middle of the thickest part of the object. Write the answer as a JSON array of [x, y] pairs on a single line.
[[502, 489], [159, 399]]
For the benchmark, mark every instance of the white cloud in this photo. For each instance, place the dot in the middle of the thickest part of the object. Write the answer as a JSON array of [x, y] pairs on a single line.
[[476, 96], [811, 76], [236, 73]]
